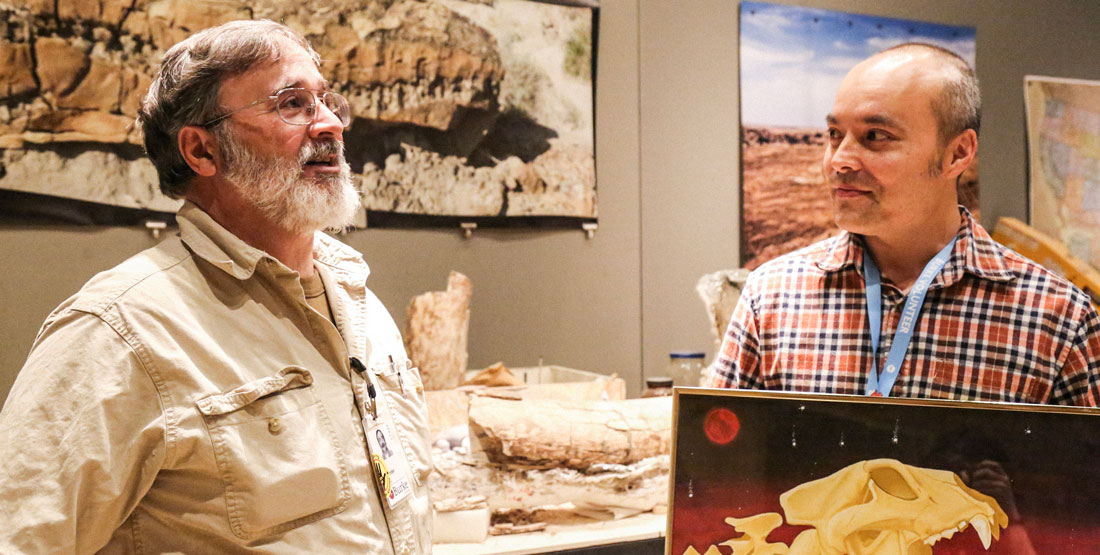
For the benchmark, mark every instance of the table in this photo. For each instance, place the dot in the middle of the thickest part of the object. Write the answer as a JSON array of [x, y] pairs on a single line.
[[560, 537]]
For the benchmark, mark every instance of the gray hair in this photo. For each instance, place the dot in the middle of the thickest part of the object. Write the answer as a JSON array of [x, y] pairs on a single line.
[[959, 105], [186, 89]]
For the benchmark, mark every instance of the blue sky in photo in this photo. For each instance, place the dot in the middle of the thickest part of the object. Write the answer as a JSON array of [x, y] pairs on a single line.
[[793, 59]]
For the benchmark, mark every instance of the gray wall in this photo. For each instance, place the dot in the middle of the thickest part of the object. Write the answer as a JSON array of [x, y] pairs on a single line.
[[667, 150]]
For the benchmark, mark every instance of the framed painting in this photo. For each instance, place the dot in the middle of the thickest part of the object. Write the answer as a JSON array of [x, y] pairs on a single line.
[[786, 473]]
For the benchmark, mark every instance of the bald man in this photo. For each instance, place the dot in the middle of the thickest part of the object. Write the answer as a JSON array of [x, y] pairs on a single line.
[[913, 298]]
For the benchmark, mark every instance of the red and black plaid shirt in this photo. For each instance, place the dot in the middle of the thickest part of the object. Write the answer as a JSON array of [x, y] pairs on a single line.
[[995, 326]]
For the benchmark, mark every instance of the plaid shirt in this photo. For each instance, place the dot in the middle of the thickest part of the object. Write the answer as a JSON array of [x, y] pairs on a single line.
[[995, 326]]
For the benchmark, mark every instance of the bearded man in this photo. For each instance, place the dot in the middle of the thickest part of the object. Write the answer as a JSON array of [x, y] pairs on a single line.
[[221, 392], [913, 298]]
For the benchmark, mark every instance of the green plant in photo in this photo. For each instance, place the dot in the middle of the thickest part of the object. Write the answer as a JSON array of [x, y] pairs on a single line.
[[578, 53]]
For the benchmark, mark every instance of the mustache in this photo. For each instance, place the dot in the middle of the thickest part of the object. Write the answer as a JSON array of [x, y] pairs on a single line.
[[321, 151], [852, 178]]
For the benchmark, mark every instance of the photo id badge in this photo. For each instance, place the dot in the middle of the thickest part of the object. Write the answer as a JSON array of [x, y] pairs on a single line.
[[389, 462]]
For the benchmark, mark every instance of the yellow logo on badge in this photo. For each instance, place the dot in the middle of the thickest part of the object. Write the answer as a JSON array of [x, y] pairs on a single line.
[[383, 474]]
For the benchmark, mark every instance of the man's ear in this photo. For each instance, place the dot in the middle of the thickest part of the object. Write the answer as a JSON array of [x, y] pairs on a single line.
[[960, 153], [198, 149]]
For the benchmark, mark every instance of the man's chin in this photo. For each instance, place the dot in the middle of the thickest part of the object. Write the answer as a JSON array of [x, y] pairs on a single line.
[[342, 206], [332, 209], [847, 214], [860, 223]]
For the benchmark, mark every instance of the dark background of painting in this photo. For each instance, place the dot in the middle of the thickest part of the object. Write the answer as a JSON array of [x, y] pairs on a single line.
[[783, 442]]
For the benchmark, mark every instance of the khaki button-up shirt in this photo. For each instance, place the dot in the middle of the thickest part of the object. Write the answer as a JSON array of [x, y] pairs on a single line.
[[189, 400]]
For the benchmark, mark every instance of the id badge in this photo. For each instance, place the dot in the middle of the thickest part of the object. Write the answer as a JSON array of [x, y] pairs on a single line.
[[390, 464]]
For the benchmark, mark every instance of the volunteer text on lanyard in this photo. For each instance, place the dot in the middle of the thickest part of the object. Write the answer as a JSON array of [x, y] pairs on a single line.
[[880, 386]]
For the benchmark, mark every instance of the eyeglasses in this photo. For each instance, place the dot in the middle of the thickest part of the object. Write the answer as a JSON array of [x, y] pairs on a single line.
[[298, 106]]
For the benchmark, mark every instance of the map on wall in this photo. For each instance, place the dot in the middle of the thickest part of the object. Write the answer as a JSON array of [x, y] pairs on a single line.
[[462, 111], [792, 62], [1063, 131]]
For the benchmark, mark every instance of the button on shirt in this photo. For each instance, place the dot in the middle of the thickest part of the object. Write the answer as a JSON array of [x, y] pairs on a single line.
[[995, 326], [190, 401]]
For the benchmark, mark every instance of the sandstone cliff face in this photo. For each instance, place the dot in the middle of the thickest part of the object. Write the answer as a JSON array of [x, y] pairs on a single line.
[[421, 78], [404, 62]]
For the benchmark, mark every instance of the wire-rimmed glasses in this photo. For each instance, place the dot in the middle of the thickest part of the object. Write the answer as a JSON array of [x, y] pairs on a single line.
[[298, 106]]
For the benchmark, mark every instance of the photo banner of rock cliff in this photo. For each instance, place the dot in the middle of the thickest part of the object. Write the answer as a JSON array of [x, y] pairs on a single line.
[[792, 62], [463, 111]]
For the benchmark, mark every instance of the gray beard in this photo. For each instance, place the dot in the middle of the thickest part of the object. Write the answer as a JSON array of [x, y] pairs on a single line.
[[276, 186]]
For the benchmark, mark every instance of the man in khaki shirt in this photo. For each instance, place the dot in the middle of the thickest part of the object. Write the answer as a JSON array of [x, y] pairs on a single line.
[[220, 392]]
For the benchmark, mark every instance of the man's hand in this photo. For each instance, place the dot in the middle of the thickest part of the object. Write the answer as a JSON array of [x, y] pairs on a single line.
[[990, 478]]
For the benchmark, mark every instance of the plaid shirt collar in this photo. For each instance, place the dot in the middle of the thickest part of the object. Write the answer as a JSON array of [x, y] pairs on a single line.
[[975, 252]]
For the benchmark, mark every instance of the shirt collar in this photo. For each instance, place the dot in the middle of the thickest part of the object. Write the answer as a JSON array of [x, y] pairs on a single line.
[[843, 251], [340, 257], [218, 246], [975, 252], [215, 244]]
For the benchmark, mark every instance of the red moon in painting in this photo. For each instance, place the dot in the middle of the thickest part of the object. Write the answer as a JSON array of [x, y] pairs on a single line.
[[721, 425]]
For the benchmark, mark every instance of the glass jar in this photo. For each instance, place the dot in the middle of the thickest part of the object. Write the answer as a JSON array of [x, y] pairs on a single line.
[[658, 386], [686, 367]]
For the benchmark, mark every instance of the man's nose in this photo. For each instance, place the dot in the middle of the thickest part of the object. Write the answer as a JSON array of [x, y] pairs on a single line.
[[327, 123], [844, 157]]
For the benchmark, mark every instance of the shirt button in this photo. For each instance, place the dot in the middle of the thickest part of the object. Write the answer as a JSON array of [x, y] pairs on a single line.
[[405, 550], [274, 426]]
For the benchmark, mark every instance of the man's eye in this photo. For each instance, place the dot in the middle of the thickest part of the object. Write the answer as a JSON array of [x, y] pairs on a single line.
[[876, 135], [834, 134], [292, 102]]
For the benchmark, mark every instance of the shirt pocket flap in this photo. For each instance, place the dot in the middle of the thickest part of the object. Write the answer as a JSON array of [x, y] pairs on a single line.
[[291, 377], [277, 454]]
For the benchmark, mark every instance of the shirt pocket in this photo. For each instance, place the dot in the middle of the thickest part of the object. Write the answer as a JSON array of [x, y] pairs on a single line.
[[403, 392], [277, 454]]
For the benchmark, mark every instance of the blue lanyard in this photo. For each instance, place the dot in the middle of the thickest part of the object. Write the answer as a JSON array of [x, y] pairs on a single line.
[[880, 386]]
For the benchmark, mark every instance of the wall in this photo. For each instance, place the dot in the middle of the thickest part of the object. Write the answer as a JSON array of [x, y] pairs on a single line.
[[667, 157]]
